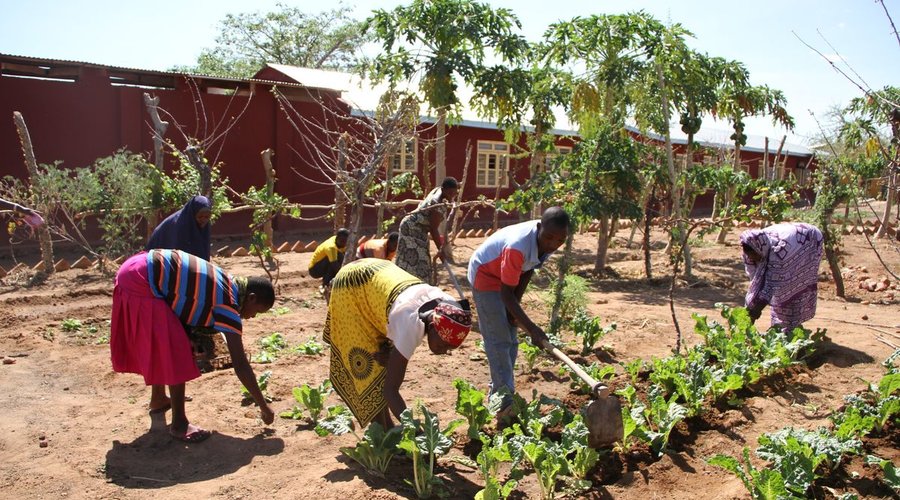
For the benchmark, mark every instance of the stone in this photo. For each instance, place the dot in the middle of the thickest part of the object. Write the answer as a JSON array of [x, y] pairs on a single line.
[[9, 361], [311, 246], [240, 252], [18, 267], [865, 317], [62, 265], [222, 251], [3, 272], [297, 246], [284, 247]]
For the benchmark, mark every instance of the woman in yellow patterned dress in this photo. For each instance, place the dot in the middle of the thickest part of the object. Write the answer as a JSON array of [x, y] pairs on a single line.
[[377, 316]]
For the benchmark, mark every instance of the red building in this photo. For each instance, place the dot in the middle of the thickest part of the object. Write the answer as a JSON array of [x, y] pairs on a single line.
[[77, 112]]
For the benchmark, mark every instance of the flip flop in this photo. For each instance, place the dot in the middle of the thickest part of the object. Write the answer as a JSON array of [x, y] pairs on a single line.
[[198, 435]]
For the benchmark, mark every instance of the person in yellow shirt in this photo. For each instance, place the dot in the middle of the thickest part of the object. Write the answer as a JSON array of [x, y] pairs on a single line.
[[379, 248], [377, 317], [328, 257]]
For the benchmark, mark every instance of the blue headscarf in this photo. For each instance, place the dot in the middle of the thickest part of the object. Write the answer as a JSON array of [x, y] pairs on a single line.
[[180, 232]]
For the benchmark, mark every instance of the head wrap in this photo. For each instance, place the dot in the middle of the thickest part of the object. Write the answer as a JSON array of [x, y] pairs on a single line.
[[452, 323], [179, 231]]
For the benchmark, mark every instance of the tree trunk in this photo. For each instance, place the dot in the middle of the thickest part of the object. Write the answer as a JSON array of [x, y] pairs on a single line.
[[340, 187], [888, 202], [159, 131], [726, 227], [440, 167], [648, 267], [388, 174], [673, 174], [723, 231], [602, 245], [561, 283], [831, 254], [270, 190], [43, 232], [536, 167]]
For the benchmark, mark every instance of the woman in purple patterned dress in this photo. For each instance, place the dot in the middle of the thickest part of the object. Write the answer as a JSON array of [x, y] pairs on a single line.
[[782, 262]]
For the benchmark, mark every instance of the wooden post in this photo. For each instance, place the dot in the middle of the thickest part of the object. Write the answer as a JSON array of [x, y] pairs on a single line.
[[388, 174], [270, 189], [159, 130], [43, 232], [340, 197]]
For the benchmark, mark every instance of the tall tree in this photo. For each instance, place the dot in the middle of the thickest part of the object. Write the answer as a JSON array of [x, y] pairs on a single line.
[[738, 99], [614, 51], [435, 43], [246, 42]]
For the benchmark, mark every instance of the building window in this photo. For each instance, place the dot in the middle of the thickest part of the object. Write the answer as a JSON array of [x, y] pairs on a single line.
[[492, 164], [405, 159]]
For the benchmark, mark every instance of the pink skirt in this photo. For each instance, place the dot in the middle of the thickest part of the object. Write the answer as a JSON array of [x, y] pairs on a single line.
[[146, 337]]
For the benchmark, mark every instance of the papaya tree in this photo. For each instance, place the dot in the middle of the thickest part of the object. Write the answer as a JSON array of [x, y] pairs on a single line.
[[614, 51], [522, 100], [439, 44], [738, 99]]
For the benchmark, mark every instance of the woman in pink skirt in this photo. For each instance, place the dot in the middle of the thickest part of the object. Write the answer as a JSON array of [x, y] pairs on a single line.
[[159, 291]]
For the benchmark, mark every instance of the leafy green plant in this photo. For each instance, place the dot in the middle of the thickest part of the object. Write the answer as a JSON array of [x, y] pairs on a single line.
[[548, 461], [264, 357], [598, 371], [273, 342], [263, 382], [470, 404], [891, 478], [574, 297], [763, 484], [376, 448], [494, 452], [802, 456], [312, 400], [338, 421], [425, 441], [590, 330], [311, 347], [71, 325], [633, 369], [280, 311], [531, 353], [580, 457]]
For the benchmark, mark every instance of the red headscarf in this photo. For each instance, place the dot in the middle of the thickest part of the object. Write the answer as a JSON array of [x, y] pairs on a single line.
[[452, 323]]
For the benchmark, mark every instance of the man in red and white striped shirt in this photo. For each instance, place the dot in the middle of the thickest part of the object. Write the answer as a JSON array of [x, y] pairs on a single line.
[[499, 271]]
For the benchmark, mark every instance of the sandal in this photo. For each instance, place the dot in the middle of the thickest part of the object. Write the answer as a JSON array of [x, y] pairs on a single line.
[[193, 435]]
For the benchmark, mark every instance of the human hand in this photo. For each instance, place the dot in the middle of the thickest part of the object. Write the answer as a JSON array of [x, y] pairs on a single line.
[[539, 338], [266, 413], [754, 314]]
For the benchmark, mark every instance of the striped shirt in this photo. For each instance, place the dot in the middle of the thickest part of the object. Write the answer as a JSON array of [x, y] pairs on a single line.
[[200, 293]]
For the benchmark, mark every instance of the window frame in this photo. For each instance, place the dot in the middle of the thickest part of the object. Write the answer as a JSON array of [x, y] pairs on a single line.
[[502, 173]]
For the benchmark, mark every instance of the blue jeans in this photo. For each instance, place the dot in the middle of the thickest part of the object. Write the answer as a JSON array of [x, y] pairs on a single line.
[[501, 344]]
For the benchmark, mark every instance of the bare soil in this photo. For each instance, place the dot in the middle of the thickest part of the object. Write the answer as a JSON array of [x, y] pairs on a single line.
[[60, 389]]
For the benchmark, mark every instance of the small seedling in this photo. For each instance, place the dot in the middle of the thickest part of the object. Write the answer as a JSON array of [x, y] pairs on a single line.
[[312, 399], [280, 311], [263, 382], [71, 325], [531, 353], [311, 347]]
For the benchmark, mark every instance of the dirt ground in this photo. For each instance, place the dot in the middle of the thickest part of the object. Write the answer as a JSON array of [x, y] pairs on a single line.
[[61, 389]]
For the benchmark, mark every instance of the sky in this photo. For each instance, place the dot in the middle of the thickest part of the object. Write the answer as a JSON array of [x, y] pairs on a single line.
[[165, 33]]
